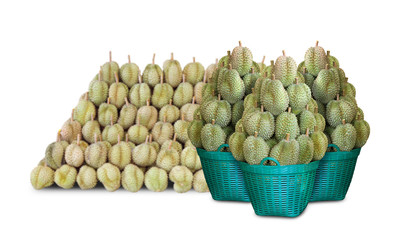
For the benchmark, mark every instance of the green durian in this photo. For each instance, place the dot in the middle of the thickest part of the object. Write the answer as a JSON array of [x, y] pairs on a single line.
[[362, 129], [255, 149], [236, 143], [255, 68], [251, 101], [237, 111], [219, 110], [152, 73], [174, 144], [109, 175], [129, 73], [261, 122], [180, 129], [344, 136], [199, 182], [84, 109], [250, 79], [98, 91], [242, 59], [348, 89], [312, 104], [65, 176], [285, 69], [271, 142], [275, 99], [74, 154], [70, 129], [332, 60], [321, 108], [117, 93], [90, 129], [269, 69], [182, 178], [188, 110], [162, 131], [155, 144], [319, 120], [228, 130], [120, 154], [198, 90], [210, 70], [306, 148], [299, 95], [128, 115], [130, 144], [108, 71], [231, 87], [86, 177], [208, 92], [286, 152], [239, 126], [286, 122], [337, 110], [111, 133], [315, 59], [172, 71], [194, 72], [41, 177], [106, 112], [132, 178], [326, 86], [96, 154], [162, 94], [139, 94], [138, 133], [261, 65], [168, 158], [320, 144], [300, 78], [145, 154], [55, 153], [170, 112], [156, 179], [148, 115], [224, 61], [194, 131], [361, 113], [190, 158], [183, 94], [301, 67], [212, 136], [306, 121]]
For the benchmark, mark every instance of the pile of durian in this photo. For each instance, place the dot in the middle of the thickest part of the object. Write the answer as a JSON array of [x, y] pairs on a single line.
[[282, 110], [128, 130]]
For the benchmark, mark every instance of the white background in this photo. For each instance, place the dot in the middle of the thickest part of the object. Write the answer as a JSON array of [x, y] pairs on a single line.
[[49, 52]]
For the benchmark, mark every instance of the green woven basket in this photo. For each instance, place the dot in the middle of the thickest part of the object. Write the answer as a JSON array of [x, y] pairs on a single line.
[[334, 175], [223, 175], [279, 190]]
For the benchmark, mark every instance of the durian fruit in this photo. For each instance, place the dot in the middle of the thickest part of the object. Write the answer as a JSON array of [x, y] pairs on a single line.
[[348, 89], [139, 93], [360, 112], [337, 110], [224, 61], [236, 143], [162, 94], [209, 71], [180, 129], [106, 143], [129, 73], [98, 90], [285, 69], [86, 177], [108, 70], [74, 155], [251, 101], [306, 148], [194, 131], [261, 122], [312, 104], [182, 178], [315, 59], [55, 153], [43, 161], [300, 78], [132, 178], [83, 111], [174, 144], [309, 79], [145, 154], [326, 86], [148, 115], [300, 95], [271, 142], [117, 92], [260, 85], [275, 99], [339, 74], [198, 90], [170, 112], [306, 121], [250, 79], [362, 129], [65, 176], [199, 182], [183, 94], [162, 131], [286, 123], [90, 129], [172, 71], [237, 112], [241, 59], [168, 158], [321, 108], [42, 176], [344, 136], [320, 143], [212, 136], [106, 111], [319, 120], [190, 158], [332, 60], [156, 179], [255, 149], [231, 87], [269, 70], [111, 133], [261, 65], [228, 130], [286, 151], [96, 154], [109, 175], [70, 129], [128, 115], [255, 67], [152, 73], [219, 110], [155, 144], [194, 72], [120, 154], [188, 110], [138, 133]]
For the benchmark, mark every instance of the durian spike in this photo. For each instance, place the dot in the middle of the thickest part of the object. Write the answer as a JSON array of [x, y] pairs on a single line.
[[316, 43], [343, 121], [138, 120], [194, 100], [59, 135], [239, 43], [213, 121], [307, 131], [315, 128], [175, 137], [328, 52], [147, 139], [262, 62], [151, 138], [327, 67], [194, 59], [284, 53], [129, 60], [230, 67], [287, 137], [315, 110], [78, 139], [111, 120], [304, 70], [116, 76], [95, 137], [72, 115], [118, 138], [169, 145], [255, 134], [252, 69], [125, 99], [108, 100], [289, 110], [109, 53], [154, 58], [338, 97], [172, 56]]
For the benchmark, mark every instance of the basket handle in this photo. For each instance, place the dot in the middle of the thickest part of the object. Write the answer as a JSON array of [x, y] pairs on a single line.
[[334, 146], [221, 147], [270, 159]]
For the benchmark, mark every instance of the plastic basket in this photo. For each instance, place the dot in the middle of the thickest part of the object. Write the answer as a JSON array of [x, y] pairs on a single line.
[[223, 175], [334, 175], [279, 190]]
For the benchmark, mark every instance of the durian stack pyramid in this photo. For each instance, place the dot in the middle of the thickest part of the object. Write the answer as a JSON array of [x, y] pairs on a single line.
[[281, 110], [130, 130]]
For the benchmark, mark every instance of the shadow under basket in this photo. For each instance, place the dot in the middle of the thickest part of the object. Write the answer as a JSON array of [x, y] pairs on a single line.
[[223, 175], [279, 190], [334, 175]]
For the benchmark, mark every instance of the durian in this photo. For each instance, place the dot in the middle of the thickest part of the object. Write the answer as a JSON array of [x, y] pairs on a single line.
[[138, 133], [190, 158], [152, 73], [41, 177], [106, 111], [183, 94], [170, 112], [73, 154], [236, 143], [219, 110], [255, 149], [182, 178], [129, 73], [162, 131], [139, 94], [306, 121], [168, 158], [86, 177], [212, 136], [320, 142], [286, 123], [117, 92], [111, 133], [128, 115], [194, 72], [55, 153], [299, 95], [70, 129], [109, 175], [194, 131], [98, 91], [344, 136], [286, 151], [275, 99], [250, 79], [326, 86], [96, 153], [162, 94], [180, 129], [337, 110], [261, 122], [156, 179], [145, 154], [306, 148], [84, 110], [148, 115], [285, 69], [120, 154], [199, 182], [362, 129], [132, 178], [231, 86], [188, 110], [241, 59], [90, 129], [315, 59], [65, 176], [108, 70]]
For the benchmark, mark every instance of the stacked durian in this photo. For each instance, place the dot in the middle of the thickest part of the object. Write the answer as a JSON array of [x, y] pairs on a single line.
[[130, 130], [282, 111]]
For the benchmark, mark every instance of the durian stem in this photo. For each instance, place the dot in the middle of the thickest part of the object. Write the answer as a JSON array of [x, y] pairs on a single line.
[[315, 110], [338, 97], [289, 109], [252, 69], [116, 76], [161, 78], [99, 76], [213, 121], [109, 56], [284, 53], [165, 118], [255, 134], [205, 77], [169, 145], [262, 62], [111, 120], [170, 102], [335, 64], [306, 107], [95, 137], [182, 117], [129, 60], [72, 115], [147, 139], [287, 137], [172, 56], [216, 62], [219, 97], [151, 138], [307, 131], [296, 80], [154, 58], [273, 76], [118, 138], [315, 128], [272, 64], [184, 78], [328, 53], [138, 120], [125, 98], [175, 137], [194, 59], [239, 43], [148, 102], [265, 74], [78, 139], [327, 67], [194, 100], [59, 135], [316, 43], [252, 90], [126, 137], [262, 108], [304, 70], [108, 100], [230, 67], [343, 121], [86, 96], [139, 78], [92, 117], [100, 138]]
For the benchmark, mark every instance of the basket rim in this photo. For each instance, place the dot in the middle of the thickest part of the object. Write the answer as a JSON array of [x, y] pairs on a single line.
[[346, 155], [204, 152], [279, 170]]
